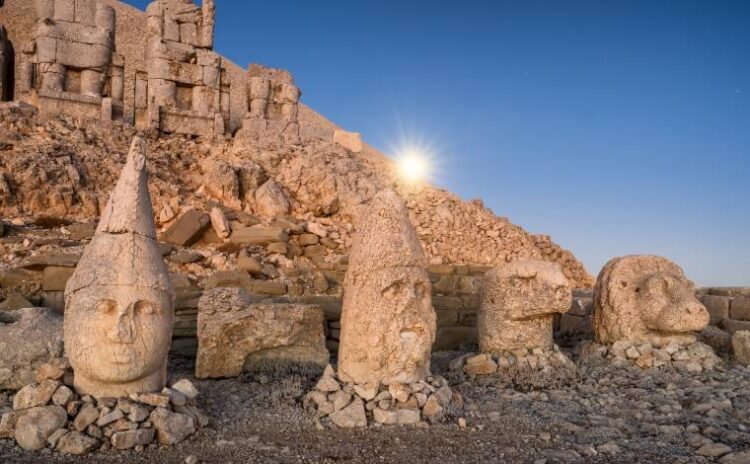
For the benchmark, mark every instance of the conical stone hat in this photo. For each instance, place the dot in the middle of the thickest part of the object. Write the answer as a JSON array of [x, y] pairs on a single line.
[[124, 251], [385, 237]]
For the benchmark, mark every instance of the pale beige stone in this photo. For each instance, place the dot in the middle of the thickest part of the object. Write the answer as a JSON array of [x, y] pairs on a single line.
[[741, 346], [29, 338], [220, 223], [387, 323], [517, 303], [233, 331], [271, 200], [119, 302], [646, 299], [352, 141]]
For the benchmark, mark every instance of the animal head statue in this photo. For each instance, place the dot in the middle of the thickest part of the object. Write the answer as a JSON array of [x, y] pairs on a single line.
[[646, 299]]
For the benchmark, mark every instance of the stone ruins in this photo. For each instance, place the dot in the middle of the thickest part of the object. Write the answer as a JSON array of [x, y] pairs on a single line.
[[6, 60], [235, 333], [272, 107], [70, 65], [387, 320], [515, 319], [187, 86], [119, 301], [278, 263]]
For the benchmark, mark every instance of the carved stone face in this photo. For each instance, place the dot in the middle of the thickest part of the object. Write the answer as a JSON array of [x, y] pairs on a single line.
[[646, 299], [118, 335], [395, 326]]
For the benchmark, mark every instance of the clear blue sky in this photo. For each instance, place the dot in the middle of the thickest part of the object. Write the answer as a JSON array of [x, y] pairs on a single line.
[[615, 127]]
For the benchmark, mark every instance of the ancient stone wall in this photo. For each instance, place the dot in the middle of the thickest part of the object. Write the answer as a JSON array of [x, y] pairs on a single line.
[[69, 64], [131, 41]]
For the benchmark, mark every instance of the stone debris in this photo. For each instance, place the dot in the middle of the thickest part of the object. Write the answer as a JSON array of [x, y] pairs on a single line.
[[741, 347], [350, 405], [84, 424], [695, 357], [536, 359], [29, 338]]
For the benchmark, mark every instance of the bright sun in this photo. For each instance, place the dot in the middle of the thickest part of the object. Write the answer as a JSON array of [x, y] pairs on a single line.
[[413, 167]]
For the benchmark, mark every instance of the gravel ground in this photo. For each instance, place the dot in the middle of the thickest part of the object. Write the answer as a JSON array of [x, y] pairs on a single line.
[[600, 414]]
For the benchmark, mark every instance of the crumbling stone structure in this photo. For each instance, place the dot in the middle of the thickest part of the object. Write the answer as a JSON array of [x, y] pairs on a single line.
[[646, 299], [187, 87], [70, 65], [119, 303], [273, 106], [6, 66], [517, 305], [387, 323]]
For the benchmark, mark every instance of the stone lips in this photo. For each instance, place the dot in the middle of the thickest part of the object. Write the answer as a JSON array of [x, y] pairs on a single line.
[[646, 299], [388, 323]]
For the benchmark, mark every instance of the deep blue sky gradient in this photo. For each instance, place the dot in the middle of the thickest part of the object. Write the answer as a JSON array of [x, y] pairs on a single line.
[[615, 127]]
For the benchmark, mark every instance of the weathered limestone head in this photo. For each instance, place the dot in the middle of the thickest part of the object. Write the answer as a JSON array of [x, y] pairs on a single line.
[[119, 302], [646, 299], [517, 303], [388, 323]]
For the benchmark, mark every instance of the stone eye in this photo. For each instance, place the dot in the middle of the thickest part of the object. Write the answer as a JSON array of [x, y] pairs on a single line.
[[145, 307], [105, 306]]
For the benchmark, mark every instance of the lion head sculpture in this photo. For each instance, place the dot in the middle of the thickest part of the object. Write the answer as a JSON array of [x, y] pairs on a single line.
[[646, 299]]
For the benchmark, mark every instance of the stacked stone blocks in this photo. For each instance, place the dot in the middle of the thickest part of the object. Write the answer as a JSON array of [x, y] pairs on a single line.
[[70, 65], [187, 88]]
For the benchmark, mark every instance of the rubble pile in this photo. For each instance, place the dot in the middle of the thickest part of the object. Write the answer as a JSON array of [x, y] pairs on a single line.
[[694, 357], [540, 359], [49, 414], [349, 405]]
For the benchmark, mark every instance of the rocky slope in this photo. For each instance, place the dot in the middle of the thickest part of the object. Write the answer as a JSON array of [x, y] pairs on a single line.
[[60, 171]]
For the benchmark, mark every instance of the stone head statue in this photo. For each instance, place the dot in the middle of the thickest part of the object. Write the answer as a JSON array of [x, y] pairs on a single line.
[[517, 304], [119, 302], [646, 299], [388, 323]]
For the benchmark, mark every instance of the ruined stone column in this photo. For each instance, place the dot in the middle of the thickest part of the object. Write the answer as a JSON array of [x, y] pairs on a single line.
[[207, 26], [517, 303], [387, 322], [259, 89], [5, 61], [119, 301]]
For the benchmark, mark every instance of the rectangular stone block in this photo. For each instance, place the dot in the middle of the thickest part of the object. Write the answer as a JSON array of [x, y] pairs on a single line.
[[731, 326], [65, 10], [441, 269], [468, 319], [571, 325], [581, 307], [55, 278], [259, 235], [740, 309], [189, 34], [453, 338], [81, 55], [46, 50], [85, 12], [446, 318], [187, 229], [730, 291], [446, 303], [717, 306]]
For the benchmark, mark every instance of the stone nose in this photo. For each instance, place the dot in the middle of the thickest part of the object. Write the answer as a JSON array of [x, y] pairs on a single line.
[[122, 330]]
